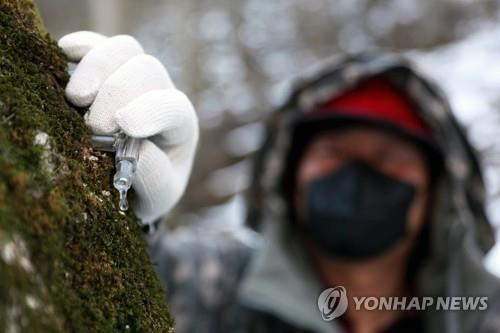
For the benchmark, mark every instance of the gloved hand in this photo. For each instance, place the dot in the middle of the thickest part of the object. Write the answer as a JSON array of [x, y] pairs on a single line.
[[129, 90]]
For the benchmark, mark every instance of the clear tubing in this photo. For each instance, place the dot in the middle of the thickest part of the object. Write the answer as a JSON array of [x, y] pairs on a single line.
[[127, 155], [123, 180]]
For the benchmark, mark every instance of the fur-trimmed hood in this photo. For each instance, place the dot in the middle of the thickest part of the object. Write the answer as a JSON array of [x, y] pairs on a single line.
[[460, 231]]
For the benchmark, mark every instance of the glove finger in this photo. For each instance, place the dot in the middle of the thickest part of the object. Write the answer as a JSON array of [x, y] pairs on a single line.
[[157, 183], [77, 44], [98, 65], [166, 111], [139, 75]]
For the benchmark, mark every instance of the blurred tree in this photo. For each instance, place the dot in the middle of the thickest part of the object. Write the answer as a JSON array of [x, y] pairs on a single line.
[[234, 59], [69, 262]]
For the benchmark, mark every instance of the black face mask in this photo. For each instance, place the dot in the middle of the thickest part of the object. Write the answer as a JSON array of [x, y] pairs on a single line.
[[357, 212]]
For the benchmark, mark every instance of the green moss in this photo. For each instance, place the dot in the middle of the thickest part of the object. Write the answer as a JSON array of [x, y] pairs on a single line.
[[90, 270]]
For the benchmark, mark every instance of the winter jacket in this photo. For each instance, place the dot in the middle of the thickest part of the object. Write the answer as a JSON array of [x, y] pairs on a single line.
[[218, 282]]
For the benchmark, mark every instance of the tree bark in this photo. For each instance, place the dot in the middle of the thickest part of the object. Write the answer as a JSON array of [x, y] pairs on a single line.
[[69, 261]]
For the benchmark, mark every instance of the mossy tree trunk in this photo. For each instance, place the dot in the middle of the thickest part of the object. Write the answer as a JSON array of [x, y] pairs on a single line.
[[68, 260]]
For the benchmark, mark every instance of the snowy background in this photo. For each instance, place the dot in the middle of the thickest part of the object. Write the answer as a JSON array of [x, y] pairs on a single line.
[[469, 73], [235, 59]]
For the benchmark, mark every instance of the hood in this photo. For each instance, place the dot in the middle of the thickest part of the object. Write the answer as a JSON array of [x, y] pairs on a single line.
[[459, 230], [334, 77]]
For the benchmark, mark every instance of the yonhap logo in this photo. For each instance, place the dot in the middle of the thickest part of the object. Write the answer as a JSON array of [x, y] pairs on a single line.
[[332, 303]]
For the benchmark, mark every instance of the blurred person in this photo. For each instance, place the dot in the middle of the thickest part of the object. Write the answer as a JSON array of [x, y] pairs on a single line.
[[365, 181]]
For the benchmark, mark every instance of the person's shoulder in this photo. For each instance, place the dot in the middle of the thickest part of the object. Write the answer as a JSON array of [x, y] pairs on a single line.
[[202, 267], [210, 254]]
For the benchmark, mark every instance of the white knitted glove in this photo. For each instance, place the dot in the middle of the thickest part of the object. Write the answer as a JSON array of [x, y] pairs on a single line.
[[129, 90]]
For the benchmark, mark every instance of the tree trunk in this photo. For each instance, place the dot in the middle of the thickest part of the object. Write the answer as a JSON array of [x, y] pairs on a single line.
[[69, 261]]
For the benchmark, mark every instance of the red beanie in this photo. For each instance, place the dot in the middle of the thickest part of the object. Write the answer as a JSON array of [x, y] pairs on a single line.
[[377, 99]]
